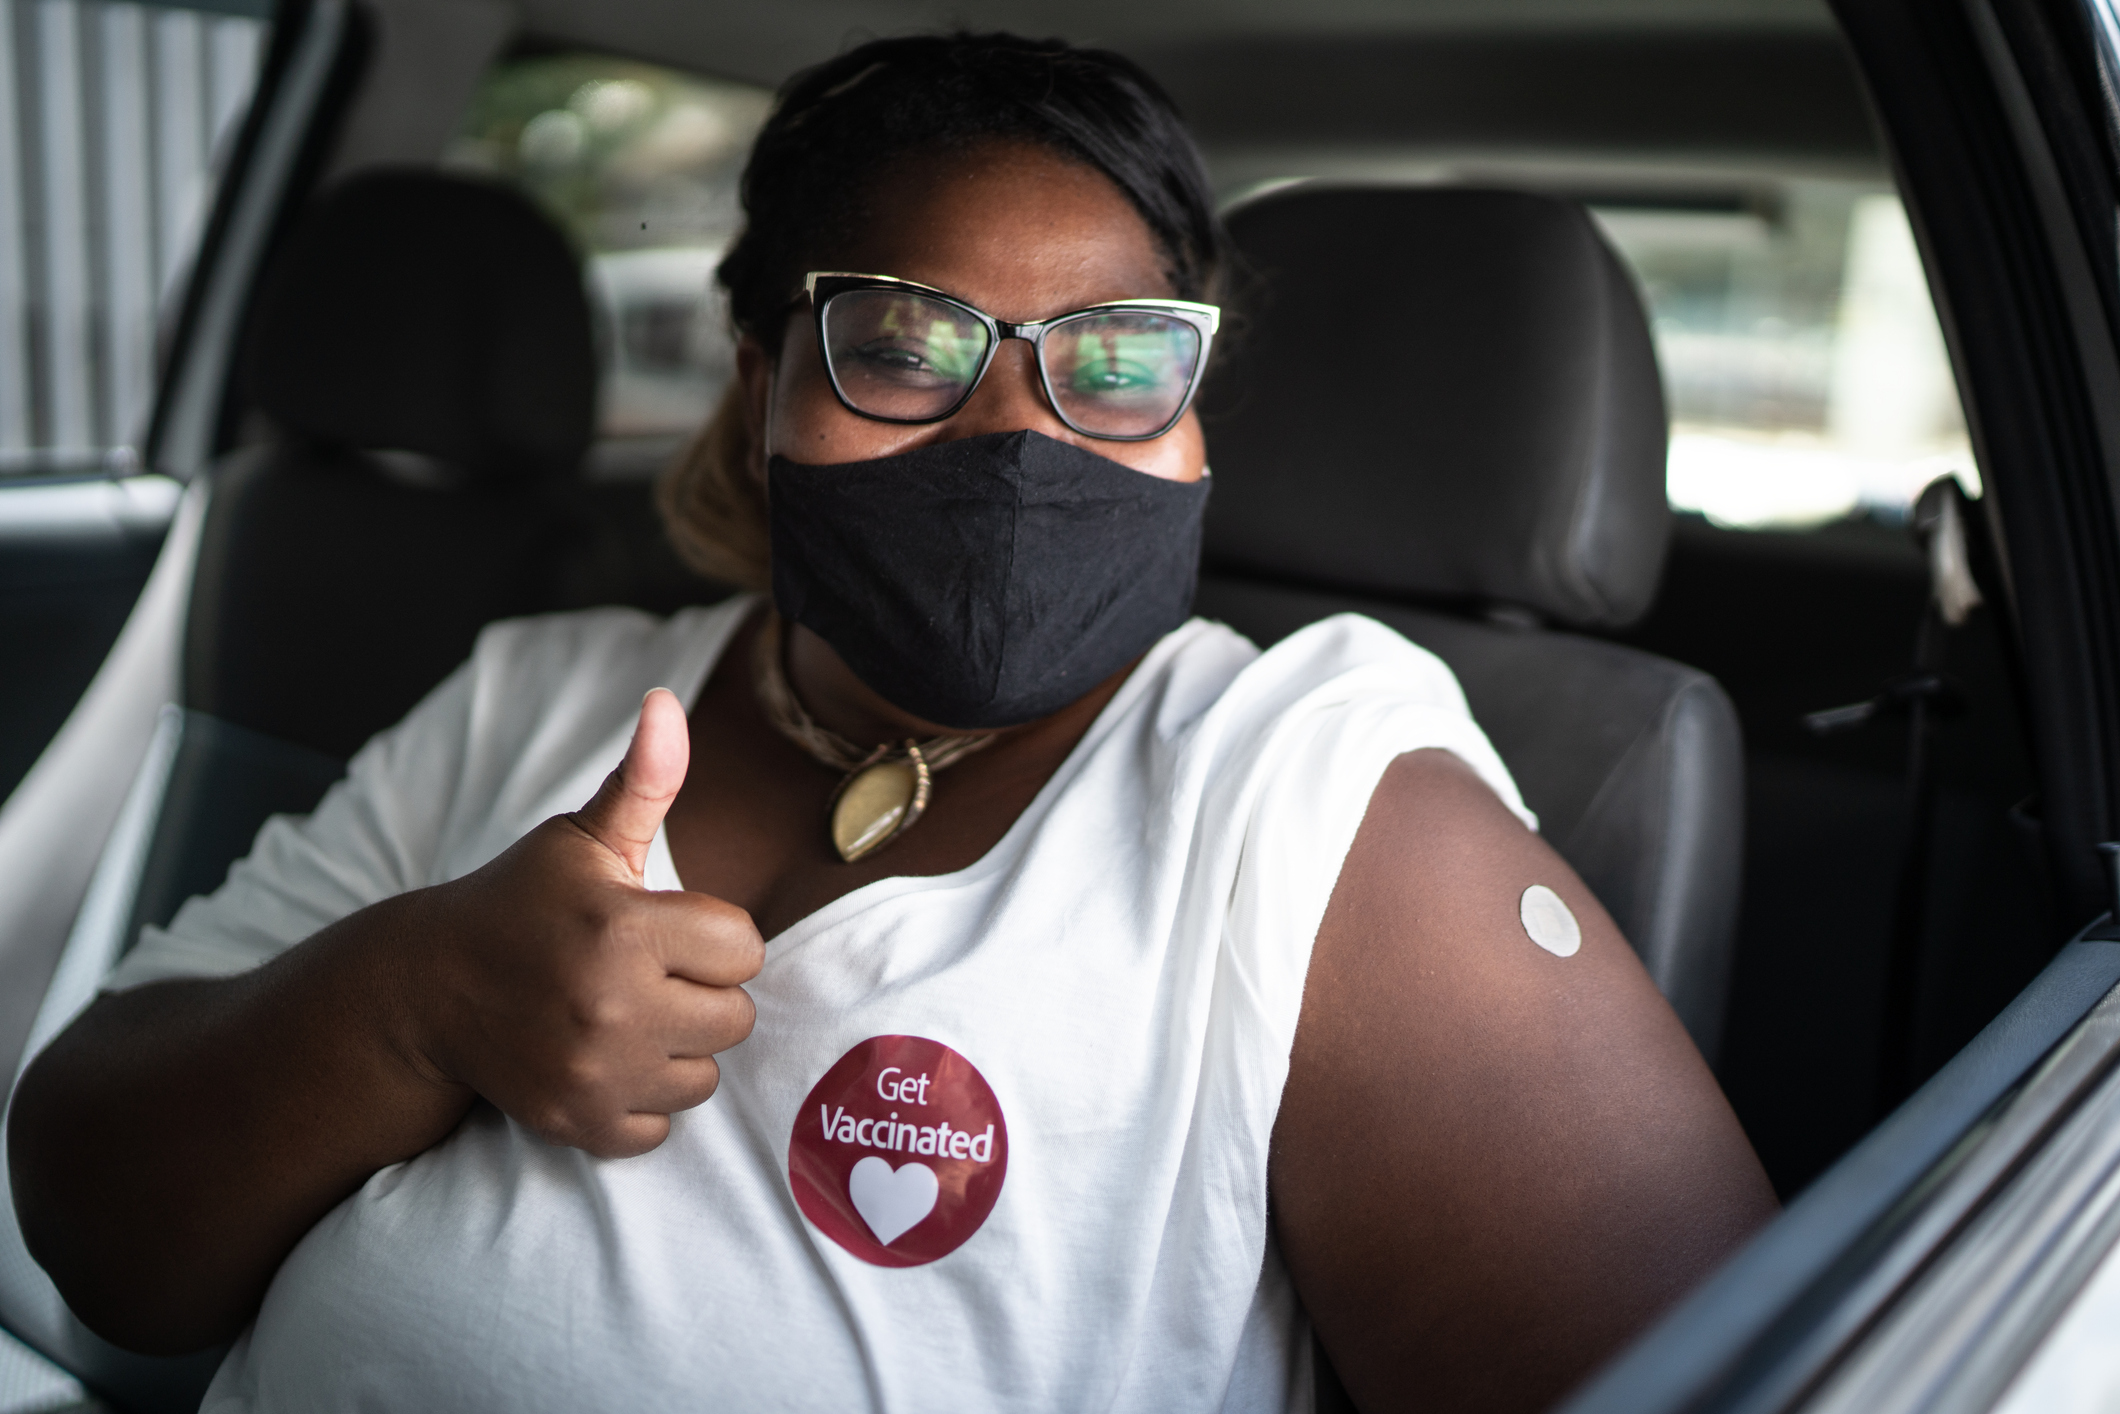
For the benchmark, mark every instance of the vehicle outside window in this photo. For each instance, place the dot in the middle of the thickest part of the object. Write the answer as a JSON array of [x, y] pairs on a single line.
[[117, 116], [639, 164]]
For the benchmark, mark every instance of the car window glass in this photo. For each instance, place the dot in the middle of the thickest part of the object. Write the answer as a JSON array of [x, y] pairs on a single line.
[[113, 118], [1807, 377], [639, 164], [1806, 373]]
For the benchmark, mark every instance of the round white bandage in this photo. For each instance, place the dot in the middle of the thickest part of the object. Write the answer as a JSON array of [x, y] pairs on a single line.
[[1549, 922]]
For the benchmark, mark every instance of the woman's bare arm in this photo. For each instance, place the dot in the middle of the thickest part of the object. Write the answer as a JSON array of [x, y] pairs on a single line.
[[1492, 1165], [171, 1146]]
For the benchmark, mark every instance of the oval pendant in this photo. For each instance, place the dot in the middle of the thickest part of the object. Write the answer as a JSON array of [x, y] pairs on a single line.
[[877, 804]]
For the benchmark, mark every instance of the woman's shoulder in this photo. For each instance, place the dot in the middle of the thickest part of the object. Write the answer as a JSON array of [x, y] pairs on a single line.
[[539, 702], [546, 697], [1341, 657], [1358, 692], [602, 644], [536, 704]]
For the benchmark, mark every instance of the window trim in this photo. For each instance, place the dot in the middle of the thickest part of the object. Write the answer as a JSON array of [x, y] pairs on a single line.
[[317, 50]]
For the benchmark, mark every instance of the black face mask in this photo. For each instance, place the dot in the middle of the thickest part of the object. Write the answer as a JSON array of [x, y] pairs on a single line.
[[987, 581]]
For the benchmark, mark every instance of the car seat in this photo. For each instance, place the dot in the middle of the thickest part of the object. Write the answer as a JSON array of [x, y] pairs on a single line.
[[422, 353], [420, 358], [1445, 412]]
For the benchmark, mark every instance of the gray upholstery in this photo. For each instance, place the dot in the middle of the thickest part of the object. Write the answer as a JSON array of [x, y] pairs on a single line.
[[413, 311], [224, 783], [1440, 394], [422, 349], [423, 352], [1446, 413]]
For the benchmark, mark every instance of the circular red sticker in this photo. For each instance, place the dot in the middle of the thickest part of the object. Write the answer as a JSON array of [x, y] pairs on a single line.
[[899, 1152]]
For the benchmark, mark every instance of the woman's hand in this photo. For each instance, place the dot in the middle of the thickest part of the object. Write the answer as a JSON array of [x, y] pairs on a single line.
[[171, 1146], [587, 1007]]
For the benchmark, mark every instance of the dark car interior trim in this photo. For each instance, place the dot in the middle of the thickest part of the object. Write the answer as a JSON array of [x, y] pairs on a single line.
[[1728, 92], [1973, 196]]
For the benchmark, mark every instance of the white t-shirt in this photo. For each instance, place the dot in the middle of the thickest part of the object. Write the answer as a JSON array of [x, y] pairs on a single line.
[[1080, 1042]]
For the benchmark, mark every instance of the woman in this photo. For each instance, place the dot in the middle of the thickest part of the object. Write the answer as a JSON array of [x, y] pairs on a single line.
[[1132, 997]]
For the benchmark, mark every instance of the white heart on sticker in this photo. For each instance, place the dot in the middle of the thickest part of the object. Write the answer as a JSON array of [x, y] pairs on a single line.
[[890, 1203]]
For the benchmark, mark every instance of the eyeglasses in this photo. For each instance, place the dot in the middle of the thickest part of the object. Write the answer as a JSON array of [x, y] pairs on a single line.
[[900, 352]]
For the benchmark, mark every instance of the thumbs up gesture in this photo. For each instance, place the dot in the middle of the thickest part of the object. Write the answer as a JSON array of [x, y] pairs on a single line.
[[585, 1006]]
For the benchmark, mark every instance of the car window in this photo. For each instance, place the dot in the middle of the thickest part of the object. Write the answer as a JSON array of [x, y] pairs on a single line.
[[1806, 373], [1807, 377], [639, 164], [117, 115]]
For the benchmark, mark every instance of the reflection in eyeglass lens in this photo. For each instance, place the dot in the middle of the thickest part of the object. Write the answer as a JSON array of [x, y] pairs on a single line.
[[1121, 375], [901, 355], [912, 358]]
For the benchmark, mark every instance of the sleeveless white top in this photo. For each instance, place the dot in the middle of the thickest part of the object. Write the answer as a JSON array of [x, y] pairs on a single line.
[[1122, 971]]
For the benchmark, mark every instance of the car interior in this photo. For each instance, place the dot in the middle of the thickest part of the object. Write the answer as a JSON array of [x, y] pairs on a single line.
[[1615, 432]]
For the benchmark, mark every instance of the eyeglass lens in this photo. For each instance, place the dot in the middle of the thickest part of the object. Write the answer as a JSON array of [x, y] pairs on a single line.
[[911, 358]]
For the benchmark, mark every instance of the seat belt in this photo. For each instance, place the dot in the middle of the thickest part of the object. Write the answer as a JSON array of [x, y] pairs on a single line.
[[1925, 697]]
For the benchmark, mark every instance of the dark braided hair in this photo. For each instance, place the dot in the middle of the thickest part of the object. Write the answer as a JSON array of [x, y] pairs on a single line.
[[840, 124], [835, 130]]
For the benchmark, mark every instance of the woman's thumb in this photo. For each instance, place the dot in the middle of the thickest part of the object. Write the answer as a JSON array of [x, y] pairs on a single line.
[[628, 808]]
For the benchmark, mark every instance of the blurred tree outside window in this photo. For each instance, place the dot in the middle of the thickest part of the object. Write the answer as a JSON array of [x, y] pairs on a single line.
[[639, 164]]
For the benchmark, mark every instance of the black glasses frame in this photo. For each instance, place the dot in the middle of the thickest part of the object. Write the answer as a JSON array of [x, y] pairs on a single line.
[[823, 285]]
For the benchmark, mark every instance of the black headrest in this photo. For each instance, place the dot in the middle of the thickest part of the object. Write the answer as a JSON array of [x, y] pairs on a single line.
[[412, 311], [1442, 394]]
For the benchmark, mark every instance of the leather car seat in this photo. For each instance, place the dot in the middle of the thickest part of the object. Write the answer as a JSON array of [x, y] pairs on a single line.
[[422, 352], [421, 349], [420, 355], [1445, 412]]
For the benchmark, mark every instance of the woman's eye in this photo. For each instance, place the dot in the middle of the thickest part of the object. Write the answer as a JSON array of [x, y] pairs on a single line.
[[1112, 376], [893, 356], [901, 361]]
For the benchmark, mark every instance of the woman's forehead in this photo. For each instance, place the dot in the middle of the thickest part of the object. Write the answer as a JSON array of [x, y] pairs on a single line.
[[1023, 232]]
